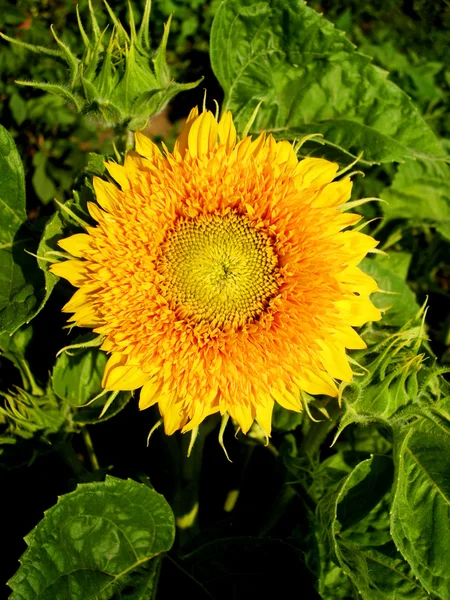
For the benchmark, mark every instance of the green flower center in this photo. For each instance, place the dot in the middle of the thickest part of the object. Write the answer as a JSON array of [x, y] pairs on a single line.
[[219, 269]]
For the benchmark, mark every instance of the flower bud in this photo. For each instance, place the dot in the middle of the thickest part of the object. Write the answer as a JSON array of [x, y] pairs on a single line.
[[119, 80]]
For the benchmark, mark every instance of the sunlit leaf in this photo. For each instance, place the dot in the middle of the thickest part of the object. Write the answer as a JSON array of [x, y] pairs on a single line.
[[346, 518], [420, 193], [420, 509], [77, 377], [399, 301], [310, 79], [93, 541]]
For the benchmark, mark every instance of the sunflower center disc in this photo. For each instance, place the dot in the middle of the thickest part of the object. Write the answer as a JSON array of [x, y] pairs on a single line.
[[219, 270]]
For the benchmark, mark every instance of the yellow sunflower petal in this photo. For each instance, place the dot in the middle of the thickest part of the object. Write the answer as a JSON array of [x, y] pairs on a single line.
[[347, 219], [358, 280], [264, 417], [145, 146], [227, 131], [149, 394], [316, 382], [120, 376], [357, 244], [107, 194], [220, 277], [181, 145], [358, 310], [86, 316], [77, 245], [96, 213], [286, 399], [243, 415], [349, 338], [73, 270], [285, 154], [314, 172], [335, 360], [334, 194], [202, 137], [118, 173]]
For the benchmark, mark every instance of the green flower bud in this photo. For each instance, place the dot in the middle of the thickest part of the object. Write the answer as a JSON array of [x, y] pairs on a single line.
[[119, 81]]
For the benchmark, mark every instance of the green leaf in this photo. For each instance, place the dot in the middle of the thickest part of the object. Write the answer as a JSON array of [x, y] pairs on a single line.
[[43, 185], [18, 108], [20, 281], [77, 378], [354, 531], [53, 232], [92, 542], [421, 507], [98, 411], [389, 384], [285, 420], [29, 415], [420, 193], [310, 79], [145, 582], [388, 272], [13, 348], [363, 490]]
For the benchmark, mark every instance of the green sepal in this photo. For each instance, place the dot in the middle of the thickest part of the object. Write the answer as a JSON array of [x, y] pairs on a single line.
[[58, 90], [70, 58]]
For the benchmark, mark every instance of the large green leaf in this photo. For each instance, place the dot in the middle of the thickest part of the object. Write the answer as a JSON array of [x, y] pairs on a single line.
[[420, 192], [421, 506], [145, 582], [310, 79], [353, 526], [93, 542], [20, 281]]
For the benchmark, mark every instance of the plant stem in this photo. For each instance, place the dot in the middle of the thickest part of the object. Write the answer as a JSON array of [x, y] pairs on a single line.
[[318, 432], [90, 449], [71, 458], [129, 140], [28, 379]]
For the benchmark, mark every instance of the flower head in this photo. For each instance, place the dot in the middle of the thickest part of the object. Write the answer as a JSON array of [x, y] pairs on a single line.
[[221, 276]]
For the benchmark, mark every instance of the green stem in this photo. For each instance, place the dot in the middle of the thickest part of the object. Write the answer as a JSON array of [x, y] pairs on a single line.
[[129, 140], [90, 449], [124, 139], [71, 458], [36, 389], [318, 432]]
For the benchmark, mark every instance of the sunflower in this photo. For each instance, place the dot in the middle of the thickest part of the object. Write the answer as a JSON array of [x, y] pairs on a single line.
[[222, 275]]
